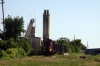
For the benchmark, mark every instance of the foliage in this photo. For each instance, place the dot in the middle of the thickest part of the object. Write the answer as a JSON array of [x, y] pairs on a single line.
[[13, 26], [34, 52], [5, 44], [26, 45], [62, 40], [21, 52], [11, 43], [3, 54], [12, 53], [73, 46]]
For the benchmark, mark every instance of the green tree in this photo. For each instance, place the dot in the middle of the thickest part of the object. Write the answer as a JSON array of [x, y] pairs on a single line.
[[73, 46], [77, 45], [13, 27], [63, 40]]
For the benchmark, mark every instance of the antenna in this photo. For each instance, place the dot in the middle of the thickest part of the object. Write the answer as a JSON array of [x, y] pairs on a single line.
[[34, 19], [87, 45], [3, 17], [34, 12], [34, 22], [30, 16], [74, 37]]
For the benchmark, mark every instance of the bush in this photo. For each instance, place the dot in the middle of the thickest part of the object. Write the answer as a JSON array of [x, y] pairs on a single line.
[[5, 44], [12, 53], [34, 52], [11, 43], [3, 54], [26, 45], [21, 52]]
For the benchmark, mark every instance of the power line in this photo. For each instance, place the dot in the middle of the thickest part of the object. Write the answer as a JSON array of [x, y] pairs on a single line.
[[2, 1]]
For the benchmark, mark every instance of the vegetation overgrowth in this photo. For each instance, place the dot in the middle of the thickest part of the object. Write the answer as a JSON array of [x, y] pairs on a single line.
[[56, 60]]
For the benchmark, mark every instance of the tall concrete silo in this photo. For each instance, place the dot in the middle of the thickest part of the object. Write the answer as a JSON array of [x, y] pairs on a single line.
[[46, 24]]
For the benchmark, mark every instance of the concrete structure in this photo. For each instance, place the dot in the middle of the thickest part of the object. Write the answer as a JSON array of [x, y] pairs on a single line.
[[36, 43], [30, 30], [46, 24], [30, 34]]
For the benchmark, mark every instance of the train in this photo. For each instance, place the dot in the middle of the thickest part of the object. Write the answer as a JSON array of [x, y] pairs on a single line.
[[48, 48]]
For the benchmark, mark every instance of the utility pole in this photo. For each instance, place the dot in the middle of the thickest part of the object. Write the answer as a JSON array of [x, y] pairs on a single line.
[[2, 1]]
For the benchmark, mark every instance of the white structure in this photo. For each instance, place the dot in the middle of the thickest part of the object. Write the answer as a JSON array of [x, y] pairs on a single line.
[[30, 34]]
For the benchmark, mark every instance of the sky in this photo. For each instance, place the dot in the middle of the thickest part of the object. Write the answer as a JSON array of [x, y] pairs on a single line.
[[67, 18]]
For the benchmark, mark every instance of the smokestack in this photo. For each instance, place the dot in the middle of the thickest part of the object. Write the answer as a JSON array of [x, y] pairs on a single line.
[[44, 12], [47, 12], [46, 24]]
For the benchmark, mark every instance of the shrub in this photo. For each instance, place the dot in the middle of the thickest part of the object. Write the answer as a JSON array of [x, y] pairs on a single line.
[[21, 52], [26, 45], [12, 53], [10, 43], [34, 52], [3, 45], [3, 54]]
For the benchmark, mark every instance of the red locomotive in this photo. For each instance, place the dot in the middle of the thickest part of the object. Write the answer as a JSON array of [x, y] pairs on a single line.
[[48, 48]]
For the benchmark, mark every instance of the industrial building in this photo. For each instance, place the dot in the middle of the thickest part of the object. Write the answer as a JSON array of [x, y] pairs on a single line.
[[36, 41], [30, 34], [94, 51]]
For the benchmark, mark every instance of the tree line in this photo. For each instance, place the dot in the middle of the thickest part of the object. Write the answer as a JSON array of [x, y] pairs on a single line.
[[73, 46]]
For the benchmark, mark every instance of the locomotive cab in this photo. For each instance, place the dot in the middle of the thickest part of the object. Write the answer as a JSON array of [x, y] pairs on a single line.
[[48, 47]]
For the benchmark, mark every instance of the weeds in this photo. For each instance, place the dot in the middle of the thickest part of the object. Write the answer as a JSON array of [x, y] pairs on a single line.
[[57, 60]]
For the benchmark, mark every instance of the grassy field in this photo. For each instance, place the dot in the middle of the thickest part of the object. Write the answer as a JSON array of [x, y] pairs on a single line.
[[56, 60]]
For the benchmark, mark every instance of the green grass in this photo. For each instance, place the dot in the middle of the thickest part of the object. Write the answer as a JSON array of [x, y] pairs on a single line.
[[56, 60]]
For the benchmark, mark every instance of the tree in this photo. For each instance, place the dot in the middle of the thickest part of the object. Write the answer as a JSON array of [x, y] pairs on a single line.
[[73, 46], [63, 40], [77, 45], [13, 27]]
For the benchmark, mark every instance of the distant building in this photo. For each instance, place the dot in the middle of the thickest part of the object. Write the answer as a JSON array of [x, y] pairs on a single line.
[[94, 51]]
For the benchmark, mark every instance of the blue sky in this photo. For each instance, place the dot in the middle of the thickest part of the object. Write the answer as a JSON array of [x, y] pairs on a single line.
[[67, 18]]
